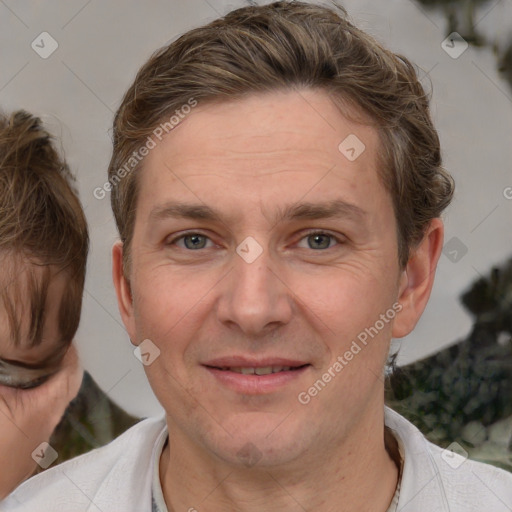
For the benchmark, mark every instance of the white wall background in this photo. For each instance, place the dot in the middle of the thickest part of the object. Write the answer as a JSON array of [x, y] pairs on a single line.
[[101, 45]]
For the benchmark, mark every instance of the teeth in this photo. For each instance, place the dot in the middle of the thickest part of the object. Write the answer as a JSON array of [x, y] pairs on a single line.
[[264, 370]]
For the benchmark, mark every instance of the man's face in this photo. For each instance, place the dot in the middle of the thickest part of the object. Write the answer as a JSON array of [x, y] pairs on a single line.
[[216, 303]]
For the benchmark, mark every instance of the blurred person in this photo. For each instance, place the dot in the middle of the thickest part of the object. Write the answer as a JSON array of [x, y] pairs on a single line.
[[43, 253], [278, 187]]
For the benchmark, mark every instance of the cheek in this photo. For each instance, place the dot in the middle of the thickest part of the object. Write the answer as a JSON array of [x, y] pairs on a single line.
[[346, 308], [346, 297], [162, 301], [170, 311]]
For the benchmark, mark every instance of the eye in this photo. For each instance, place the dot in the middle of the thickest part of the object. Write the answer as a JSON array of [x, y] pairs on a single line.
[[22, 376], [316, 240], [34, 383], [319, 240], [19, 380], [191, 241]]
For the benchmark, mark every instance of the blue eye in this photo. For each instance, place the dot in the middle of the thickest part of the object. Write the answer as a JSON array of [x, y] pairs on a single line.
[[192, 241], [316, 240], [319, 240]]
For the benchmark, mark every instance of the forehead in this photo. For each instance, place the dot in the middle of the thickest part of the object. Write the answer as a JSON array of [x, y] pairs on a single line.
[[264, 151]]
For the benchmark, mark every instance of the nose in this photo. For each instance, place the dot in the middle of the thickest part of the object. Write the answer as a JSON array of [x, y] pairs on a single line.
[[255, 297]]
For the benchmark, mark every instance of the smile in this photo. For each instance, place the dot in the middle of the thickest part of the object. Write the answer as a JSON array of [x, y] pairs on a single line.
[[263, 370], [244, 377]]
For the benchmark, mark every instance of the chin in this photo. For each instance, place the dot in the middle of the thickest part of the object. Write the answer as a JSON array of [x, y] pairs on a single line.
[[256, 454], [257, 443]]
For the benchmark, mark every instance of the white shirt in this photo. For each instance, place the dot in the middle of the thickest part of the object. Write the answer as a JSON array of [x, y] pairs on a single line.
[[119, 477]]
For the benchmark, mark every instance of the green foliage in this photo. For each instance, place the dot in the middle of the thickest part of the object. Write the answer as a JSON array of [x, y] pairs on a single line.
[[90, 421], [468, 384]]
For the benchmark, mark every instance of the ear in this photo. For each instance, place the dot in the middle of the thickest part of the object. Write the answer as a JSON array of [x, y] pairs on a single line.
[[123, 291], [417, 279]]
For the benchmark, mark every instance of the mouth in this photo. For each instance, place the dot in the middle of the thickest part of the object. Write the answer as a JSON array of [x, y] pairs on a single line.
[[258, 370], [255, 377]]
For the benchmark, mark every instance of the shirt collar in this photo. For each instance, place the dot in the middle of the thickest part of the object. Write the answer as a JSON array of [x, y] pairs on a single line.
[[418, 473]]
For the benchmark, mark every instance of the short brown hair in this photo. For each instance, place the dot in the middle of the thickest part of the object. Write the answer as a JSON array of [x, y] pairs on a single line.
[[287, 46], [41, 224]]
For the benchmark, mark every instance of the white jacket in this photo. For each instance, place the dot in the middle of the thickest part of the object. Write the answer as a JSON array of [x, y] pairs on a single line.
[[118, 477]]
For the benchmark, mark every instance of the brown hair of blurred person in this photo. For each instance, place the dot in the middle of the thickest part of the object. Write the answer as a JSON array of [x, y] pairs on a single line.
[[42, 223]]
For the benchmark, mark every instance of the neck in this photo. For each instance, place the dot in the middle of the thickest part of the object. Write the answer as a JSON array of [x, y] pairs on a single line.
[[358, 474]]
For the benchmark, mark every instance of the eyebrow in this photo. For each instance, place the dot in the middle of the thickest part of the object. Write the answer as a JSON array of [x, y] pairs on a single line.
[[336, 208]]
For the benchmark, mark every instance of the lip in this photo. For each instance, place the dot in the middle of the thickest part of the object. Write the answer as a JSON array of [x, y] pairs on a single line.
[[250, 362], [255, 384]]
